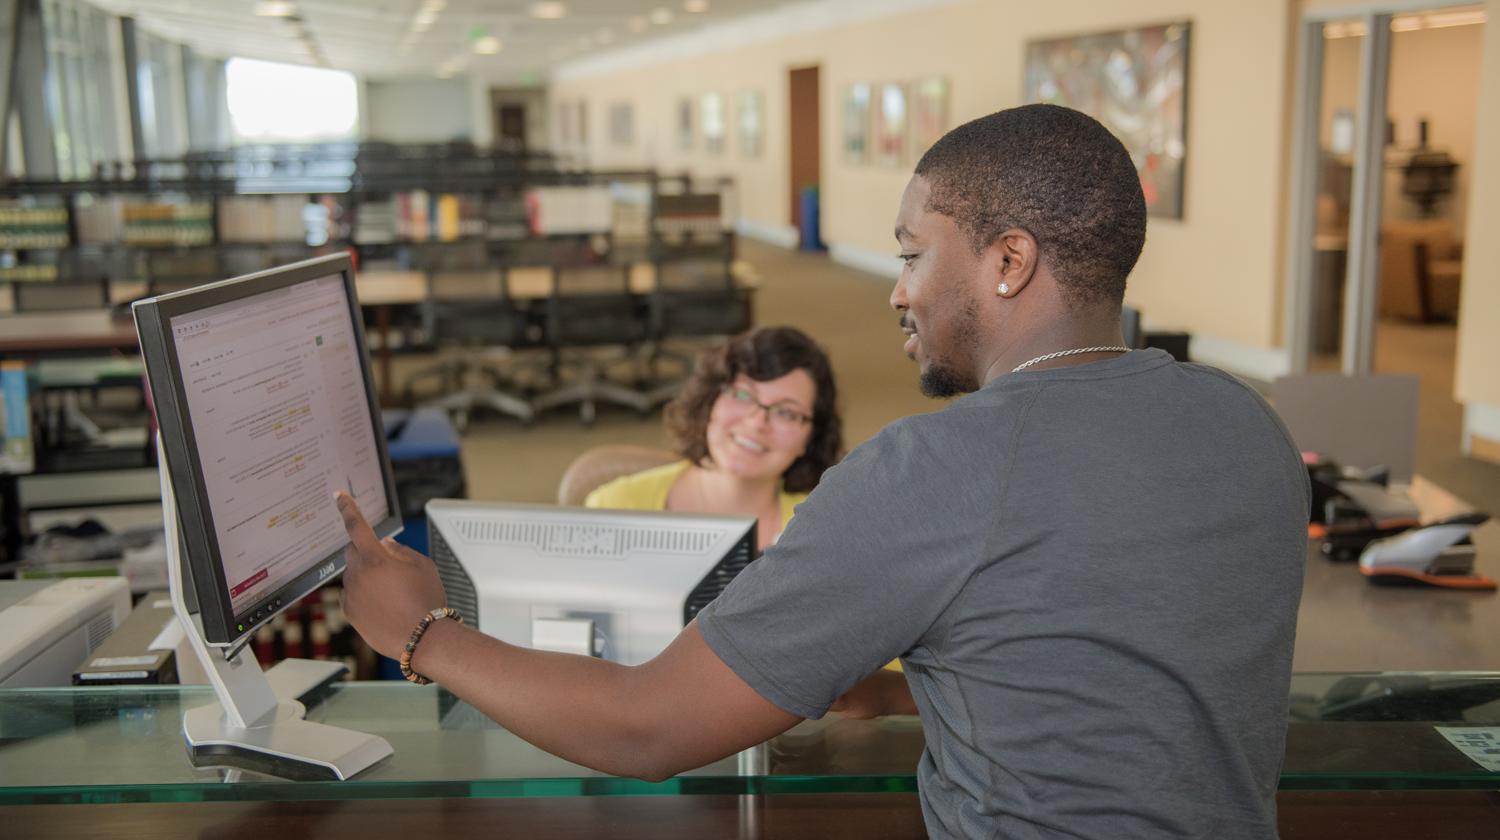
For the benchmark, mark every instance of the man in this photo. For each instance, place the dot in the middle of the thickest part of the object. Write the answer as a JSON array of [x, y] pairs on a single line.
[[1089, 567]]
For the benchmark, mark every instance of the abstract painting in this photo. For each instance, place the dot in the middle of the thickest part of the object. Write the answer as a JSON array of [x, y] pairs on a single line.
[[1134, 81]]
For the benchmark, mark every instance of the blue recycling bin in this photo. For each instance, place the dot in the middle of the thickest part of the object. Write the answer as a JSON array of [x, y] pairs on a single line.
[[811, 224]]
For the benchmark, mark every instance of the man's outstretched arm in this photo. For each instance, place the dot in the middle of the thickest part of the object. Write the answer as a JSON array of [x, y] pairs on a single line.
[[681, 710]]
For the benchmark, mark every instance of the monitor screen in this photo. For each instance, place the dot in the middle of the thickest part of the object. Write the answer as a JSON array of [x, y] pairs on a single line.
[[264, 394]]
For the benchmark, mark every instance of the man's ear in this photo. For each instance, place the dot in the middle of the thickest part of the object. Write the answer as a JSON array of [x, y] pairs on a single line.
[[1011, 261]]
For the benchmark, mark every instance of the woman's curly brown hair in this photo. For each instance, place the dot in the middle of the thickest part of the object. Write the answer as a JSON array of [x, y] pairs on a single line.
[[762, 354]]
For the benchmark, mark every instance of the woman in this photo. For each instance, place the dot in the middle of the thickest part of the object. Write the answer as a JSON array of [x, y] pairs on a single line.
[[756, 424]]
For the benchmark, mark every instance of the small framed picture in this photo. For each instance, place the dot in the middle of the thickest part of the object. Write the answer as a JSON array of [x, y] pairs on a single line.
[[892, 113], [856, 123]]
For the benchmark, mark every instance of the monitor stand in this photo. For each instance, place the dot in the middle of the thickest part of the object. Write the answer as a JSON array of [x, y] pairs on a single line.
[[257, 721]]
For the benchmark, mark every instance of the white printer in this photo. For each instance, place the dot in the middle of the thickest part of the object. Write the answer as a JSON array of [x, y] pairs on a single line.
[[48, 627]]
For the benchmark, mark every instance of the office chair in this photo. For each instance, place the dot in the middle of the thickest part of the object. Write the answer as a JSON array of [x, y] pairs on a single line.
[[590, 309], [693, 293], [693, 297], [475, 312], [602, 464]]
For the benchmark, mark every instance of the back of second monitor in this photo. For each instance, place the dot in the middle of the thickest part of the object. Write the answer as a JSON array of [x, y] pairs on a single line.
[[619, 585]]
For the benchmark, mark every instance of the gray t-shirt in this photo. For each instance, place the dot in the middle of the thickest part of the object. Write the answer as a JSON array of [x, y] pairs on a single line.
[[1091, 576]]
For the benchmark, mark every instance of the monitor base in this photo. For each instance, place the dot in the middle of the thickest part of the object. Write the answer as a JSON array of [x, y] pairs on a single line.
[[285, 744]]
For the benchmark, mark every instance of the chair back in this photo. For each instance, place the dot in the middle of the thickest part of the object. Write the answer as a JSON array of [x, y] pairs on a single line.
[[602, 464], [1359, 421], [592, 305]]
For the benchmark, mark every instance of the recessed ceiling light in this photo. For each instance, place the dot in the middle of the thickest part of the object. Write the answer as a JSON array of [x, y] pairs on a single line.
[[695, 6], [661, 16], [275, 8], [548, 11], [637, 24], [488, 45]]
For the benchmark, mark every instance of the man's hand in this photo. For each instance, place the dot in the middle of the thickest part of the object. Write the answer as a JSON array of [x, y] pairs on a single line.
[[387, 586], [881, 693]]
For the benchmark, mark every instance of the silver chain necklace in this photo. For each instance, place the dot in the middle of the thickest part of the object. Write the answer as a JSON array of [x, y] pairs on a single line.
[[1075, 351]]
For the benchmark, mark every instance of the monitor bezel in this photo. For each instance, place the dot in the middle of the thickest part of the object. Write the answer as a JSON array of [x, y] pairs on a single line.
[[202, 561]]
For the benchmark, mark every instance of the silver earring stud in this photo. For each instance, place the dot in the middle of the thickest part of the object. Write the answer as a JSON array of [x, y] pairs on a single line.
[[1003, 289]]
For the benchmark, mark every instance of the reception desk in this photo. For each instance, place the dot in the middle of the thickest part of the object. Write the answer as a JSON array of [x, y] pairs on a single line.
[[1363, 753]]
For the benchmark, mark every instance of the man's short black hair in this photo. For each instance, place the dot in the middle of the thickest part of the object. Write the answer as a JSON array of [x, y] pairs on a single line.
[[1055, 173]]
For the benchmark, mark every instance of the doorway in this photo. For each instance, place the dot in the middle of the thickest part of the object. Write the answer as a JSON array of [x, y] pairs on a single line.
[[510, 127], [1385, 142], [806, 146]]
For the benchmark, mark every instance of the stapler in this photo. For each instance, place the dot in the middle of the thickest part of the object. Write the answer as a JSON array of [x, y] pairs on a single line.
[[1438, 554], [1362, 512]]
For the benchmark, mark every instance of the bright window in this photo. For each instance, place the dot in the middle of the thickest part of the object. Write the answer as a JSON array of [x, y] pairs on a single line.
[[289, 103]]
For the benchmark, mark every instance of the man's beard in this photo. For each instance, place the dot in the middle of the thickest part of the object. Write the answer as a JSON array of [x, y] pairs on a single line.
[[941, 380]]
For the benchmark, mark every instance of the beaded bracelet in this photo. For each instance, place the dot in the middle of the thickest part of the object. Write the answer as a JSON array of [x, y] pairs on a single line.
[[416, 636]]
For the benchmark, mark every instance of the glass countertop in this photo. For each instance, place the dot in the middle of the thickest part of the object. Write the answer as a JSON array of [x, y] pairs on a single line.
[[1376, 731]]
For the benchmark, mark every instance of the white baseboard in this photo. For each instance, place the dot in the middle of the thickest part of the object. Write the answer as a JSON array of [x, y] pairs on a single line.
[[881, 264], [1480, 420], [1266, 364], [782, 236]]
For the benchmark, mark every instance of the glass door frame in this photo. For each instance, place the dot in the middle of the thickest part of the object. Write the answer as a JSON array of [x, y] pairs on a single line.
[[1362, 271]]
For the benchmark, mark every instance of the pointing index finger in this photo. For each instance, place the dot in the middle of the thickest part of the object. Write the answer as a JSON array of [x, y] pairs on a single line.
[[359, 530]]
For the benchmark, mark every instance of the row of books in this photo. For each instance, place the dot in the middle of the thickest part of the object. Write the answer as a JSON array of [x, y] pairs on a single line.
[[279, 218], [419, 216], [33, 227], [29, 273], [269, 218], [410, 216]]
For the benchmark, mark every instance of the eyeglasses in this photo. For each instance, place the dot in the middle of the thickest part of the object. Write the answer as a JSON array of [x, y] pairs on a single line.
[[781, 415]]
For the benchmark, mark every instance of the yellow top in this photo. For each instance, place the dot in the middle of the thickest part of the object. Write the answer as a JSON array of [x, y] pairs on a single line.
[[648, 489]]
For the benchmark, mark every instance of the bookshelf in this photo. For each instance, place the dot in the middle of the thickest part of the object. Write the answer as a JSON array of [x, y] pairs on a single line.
[[148, 226]]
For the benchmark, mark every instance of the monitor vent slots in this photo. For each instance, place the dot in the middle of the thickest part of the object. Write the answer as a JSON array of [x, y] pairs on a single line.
[[577, 539], [459, 587], [719, 577]]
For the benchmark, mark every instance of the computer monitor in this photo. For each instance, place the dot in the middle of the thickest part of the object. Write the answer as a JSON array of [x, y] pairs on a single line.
[[615, 584], [266, 405]]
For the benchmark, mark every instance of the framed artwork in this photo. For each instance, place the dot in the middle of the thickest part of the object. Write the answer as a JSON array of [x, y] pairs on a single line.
[[565, 123], [713, 123], [856, 125], [929, 114], [1135, 82], [891, 119], [747, 121], [685, 124], [622, 124]]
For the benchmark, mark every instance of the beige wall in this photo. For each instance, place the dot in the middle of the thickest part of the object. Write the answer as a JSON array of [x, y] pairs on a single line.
[[1213, 273], [1477, 380]]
